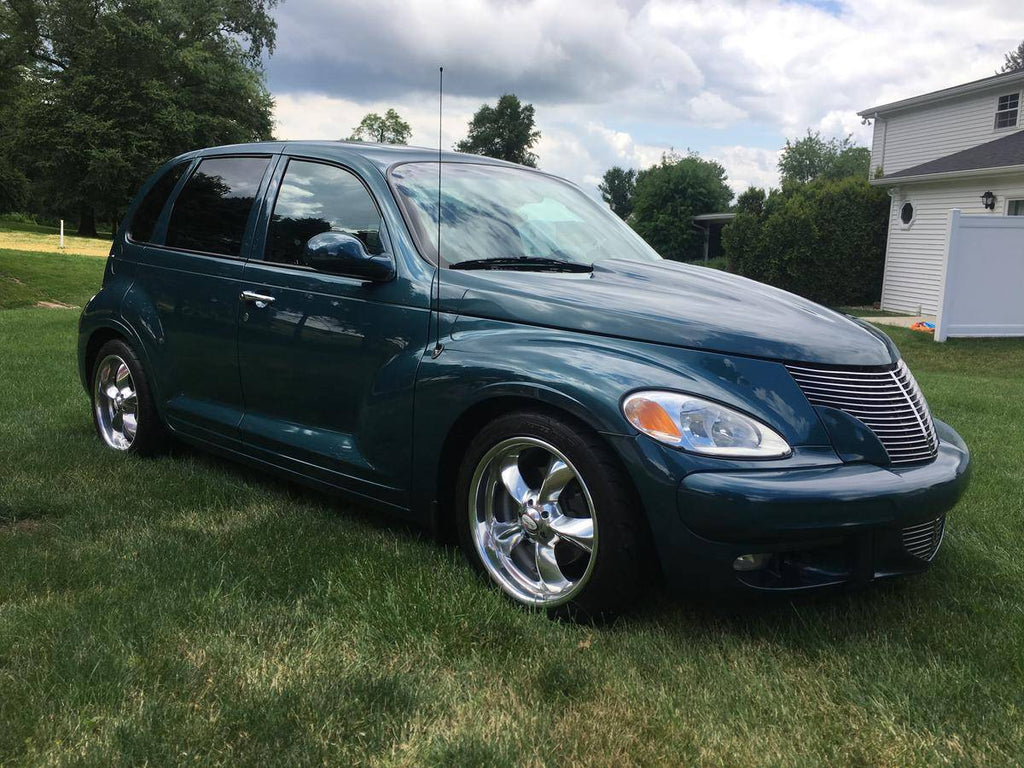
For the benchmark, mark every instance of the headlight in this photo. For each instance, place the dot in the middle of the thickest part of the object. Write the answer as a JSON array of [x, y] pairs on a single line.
[[702, 426]]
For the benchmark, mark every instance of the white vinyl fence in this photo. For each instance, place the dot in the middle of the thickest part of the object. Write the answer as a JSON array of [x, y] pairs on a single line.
[[983, 279]]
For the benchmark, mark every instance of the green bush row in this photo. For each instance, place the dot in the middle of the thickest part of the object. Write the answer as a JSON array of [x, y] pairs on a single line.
[[824, 240]]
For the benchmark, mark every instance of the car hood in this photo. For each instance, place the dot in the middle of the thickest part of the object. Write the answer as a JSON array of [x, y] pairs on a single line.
[[678, 304]]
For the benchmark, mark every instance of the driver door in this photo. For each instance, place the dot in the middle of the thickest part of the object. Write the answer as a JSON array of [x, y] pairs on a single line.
[[328, 361]]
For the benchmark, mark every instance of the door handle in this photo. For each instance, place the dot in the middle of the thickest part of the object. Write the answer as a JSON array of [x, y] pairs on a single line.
[[258, 299]]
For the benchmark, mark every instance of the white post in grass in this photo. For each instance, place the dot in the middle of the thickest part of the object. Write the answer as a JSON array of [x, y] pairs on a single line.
[[62, 234]]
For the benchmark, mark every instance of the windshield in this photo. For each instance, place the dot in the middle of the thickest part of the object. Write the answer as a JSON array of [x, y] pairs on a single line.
[[491, 212]]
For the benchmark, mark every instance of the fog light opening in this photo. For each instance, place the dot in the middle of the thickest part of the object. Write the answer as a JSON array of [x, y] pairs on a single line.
[[748, 563]]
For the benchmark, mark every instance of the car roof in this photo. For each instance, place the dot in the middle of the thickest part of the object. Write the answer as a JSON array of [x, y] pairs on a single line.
[[383, 156]]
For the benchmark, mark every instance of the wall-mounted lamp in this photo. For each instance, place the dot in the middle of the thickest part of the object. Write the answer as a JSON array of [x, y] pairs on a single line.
[[989, 200]]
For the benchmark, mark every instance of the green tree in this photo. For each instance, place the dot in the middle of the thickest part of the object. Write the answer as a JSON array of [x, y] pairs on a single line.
[[740, 236], [13, 59], [1013, 61], [669, 195], [616, 188], [752, 200], [108, 89], [852, 161], [813, 157], [388, 128], [505, 131]]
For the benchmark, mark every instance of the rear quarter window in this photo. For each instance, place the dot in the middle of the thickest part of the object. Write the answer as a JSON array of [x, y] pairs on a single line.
[[212, 209], [146, 215]]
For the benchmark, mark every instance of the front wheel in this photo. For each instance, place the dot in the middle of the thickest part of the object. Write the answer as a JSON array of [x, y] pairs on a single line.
[[548, 515]]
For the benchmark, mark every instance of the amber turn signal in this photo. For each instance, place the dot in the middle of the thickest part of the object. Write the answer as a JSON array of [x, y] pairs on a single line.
[[651, 418]]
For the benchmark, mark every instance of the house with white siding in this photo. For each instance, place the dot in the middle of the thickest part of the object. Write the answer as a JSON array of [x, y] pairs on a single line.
[[959, 148]]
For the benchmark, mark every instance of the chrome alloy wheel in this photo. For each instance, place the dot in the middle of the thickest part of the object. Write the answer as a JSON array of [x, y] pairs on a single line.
[[532, 521], [116, 403]]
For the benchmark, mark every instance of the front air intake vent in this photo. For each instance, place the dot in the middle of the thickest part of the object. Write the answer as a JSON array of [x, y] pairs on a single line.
[[923, 540], [888, 401]]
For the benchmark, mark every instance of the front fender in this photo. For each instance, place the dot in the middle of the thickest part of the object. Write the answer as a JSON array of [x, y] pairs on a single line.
[[588, 376]]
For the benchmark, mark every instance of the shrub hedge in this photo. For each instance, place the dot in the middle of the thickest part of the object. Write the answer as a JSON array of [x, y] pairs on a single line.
[[824, 240]]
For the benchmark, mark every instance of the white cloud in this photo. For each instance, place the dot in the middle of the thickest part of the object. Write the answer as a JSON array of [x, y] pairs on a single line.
[[318, 116], [620, 81], [748, 166], [711, 109], [845, 123]]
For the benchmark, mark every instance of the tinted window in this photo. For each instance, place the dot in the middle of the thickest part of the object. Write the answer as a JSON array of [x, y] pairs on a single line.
[[212, 209], [144, 220], [317, 198]]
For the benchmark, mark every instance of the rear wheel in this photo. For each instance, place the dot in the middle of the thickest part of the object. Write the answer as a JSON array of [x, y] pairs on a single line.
[[548, 515], [122, 405]]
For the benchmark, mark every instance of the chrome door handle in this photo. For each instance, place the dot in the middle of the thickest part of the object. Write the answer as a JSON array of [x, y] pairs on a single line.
[[257, 298]]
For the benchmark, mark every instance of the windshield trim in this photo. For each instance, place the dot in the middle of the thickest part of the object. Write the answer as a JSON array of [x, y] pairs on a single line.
[[424, 247]]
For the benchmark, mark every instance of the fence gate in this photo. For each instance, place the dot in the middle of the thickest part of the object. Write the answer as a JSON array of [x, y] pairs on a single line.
[[983, 277]]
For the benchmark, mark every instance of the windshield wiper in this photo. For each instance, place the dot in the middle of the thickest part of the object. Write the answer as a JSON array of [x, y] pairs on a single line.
[[524, 263]]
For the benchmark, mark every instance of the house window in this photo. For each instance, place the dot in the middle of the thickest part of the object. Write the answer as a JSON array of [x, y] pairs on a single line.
[[907, 214], [1015, 207], [1006, 110]]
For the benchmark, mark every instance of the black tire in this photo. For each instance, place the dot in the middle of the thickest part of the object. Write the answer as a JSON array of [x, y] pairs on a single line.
[[622, 554], [151, 437]]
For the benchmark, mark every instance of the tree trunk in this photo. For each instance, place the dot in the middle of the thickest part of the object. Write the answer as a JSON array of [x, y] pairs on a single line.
[[87, 221]]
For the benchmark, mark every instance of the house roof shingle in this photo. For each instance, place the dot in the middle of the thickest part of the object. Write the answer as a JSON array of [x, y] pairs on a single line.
[[1004, 152]]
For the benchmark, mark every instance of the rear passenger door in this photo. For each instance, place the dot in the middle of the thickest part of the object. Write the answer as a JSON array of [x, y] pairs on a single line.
[[186, 292]]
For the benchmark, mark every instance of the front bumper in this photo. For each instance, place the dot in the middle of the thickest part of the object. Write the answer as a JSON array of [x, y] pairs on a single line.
[[818, 526]]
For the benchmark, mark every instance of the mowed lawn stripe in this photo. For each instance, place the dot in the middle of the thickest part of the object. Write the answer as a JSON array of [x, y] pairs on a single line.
[[185, 610]]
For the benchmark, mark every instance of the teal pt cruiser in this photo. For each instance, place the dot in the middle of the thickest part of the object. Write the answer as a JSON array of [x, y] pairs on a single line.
[[502, 360]]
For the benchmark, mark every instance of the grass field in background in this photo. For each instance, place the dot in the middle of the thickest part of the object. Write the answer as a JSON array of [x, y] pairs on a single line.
[[25, 236], [28, 277], [185, 610]]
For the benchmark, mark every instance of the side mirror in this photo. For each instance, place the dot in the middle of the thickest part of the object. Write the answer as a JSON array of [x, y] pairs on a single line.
[[342, 254]]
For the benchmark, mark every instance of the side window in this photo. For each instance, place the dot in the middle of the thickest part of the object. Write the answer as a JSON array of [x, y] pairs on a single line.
[[146, 215], [213, 207], [317, 198]]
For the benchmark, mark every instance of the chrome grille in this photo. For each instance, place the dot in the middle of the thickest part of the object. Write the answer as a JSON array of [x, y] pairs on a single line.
[[889, 402], [923, 540]]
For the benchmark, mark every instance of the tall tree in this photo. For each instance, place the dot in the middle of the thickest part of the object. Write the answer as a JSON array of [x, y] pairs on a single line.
[[813, 157], [616, 189], [13, 60], [505, 131], [1013, 61], [112, 88], [751, 201], [388, 128], [669, 195]]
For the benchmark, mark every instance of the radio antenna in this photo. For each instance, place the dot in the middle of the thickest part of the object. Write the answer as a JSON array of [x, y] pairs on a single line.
[[440, 99]]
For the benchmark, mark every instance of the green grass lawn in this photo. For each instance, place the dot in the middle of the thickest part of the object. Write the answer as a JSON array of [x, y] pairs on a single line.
[[186, 611], [28, 277]]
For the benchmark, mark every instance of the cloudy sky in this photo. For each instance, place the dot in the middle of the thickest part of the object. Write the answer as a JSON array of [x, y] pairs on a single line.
[[617, 82]]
